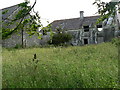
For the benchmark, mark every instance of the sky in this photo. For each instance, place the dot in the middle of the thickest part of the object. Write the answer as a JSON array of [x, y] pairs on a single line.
[[51, 10]]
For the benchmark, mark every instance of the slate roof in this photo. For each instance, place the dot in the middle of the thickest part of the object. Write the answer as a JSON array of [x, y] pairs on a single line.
[[8, 14], [9, 11], [74, 23]]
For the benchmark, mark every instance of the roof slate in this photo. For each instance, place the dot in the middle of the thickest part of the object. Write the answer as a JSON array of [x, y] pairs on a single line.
[[74, 23], [9, 11]]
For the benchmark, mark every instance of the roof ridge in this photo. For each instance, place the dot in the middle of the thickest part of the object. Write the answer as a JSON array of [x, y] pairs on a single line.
[[65, 19], [93, 16], [75, 23], [10, 6], [75, 18]]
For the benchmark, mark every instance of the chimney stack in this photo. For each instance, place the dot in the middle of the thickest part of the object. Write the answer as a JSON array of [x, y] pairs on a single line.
[[81, 14]]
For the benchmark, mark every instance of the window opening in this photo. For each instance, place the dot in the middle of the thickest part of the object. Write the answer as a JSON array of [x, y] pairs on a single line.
[[99, 27], [86, 28]]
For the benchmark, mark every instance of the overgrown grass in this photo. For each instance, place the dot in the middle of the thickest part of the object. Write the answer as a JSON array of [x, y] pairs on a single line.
[[92, 66]]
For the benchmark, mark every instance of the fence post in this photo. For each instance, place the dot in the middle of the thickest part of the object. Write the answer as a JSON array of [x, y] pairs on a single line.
[[119, 65]]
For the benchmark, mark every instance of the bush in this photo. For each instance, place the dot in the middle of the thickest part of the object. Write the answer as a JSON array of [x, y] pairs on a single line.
[[61, 38], [116, 41], [17, 46]]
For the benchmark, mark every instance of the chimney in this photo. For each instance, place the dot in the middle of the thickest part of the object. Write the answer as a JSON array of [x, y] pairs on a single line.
[[81, 14]]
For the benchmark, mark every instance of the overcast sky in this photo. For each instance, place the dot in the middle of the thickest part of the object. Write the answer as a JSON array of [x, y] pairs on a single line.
[[51, 10]]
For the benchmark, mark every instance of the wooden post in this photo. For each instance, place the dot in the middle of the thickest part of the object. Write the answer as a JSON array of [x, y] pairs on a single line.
[[118, 44], [118, 52], [118, 66], [22, 38]]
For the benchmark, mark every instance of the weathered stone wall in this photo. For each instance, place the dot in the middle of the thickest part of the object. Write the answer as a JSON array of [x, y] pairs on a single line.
[[100, 39], [93, 36], [45, 39], [76, 40], [16, 39], [31, 41], [109, 33]]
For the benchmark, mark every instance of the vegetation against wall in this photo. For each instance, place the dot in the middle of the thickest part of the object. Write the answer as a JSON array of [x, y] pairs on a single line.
[[60, 38]]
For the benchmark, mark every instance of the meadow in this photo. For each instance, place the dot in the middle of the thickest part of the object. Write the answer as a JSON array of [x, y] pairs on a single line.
[[90, 66]]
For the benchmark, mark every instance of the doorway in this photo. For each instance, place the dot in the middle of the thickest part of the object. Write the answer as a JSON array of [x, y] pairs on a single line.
[[85, 41]]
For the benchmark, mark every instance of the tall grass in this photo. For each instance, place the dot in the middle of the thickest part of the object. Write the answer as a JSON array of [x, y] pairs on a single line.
[[92, 66]]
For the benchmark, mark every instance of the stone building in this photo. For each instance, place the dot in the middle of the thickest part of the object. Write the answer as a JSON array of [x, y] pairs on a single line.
[[86, 31], [83, 29]]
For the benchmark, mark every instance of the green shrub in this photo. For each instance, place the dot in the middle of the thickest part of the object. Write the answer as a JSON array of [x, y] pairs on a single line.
[[61, 38], [116, 41], [17, 46]]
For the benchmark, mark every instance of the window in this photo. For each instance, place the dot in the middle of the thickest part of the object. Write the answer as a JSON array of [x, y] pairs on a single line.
[[99, 27], [86, 28], [85, 41]]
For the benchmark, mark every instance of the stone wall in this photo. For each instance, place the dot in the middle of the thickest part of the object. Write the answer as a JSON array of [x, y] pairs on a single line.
[[91, 37], [108, 34], [79, 38], [16, 39]]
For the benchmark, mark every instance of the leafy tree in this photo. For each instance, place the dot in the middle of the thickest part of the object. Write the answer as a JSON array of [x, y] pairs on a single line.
[[106, 9], [23, 20]]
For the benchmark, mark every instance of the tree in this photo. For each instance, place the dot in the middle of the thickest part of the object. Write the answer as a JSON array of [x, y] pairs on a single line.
[[23, 20], [106, 9]]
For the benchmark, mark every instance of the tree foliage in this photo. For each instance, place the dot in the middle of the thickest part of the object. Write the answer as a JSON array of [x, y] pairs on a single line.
[[106, 9], [23, 20], [61, 38]]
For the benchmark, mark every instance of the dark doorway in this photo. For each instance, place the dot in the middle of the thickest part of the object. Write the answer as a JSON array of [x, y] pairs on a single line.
[[85, 41]]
